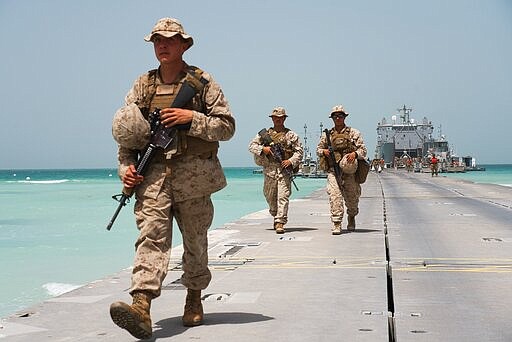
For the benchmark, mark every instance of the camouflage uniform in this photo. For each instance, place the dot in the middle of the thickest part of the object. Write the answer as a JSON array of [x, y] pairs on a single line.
[[346, 141], [178, 184], [276, 185]]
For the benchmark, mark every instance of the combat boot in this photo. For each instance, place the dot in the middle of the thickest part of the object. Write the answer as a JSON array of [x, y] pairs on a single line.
[[336, 230], [279, 228], [351, 225], [134, 318], [193, 314]]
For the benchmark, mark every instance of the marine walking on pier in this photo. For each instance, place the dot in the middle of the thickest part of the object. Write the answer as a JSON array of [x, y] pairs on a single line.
[[434, 165], [348, 147], [180, 180], [279, 151]]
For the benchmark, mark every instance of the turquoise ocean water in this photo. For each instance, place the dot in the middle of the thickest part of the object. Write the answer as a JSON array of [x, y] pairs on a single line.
[[53, 234], [52, 225], [494, 174]]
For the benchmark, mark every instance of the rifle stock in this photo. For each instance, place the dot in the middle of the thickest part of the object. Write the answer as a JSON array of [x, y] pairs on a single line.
[[338, 174]]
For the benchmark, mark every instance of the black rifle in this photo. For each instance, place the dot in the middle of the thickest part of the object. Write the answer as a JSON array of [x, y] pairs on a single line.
[[161, 136], [278, 153], [338, 174]]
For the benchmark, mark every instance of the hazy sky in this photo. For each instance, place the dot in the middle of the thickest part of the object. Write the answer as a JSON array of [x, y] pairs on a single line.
[[67, 65]]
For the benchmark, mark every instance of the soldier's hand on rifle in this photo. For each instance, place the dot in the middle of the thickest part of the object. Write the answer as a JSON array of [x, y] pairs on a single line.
[[131, 178], [326, 152], [267, 150], [286, 163], [175, 116]]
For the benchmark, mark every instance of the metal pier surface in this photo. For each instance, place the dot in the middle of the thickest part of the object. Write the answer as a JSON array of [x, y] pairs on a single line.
[[430, 261]]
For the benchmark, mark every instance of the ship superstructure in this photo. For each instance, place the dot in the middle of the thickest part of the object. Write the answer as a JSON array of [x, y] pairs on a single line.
[[404, 137], [309, 165]]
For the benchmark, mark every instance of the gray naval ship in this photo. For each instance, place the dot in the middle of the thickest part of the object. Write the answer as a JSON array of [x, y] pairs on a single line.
[[309, 166], [403, 138]]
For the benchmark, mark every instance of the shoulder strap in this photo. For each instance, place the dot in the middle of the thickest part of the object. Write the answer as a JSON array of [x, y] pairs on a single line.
[[151, 85], [148, 91], [195, 77]]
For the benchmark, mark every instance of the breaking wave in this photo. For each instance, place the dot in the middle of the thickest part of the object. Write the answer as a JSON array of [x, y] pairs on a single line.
[[54, 181], [56, 289]]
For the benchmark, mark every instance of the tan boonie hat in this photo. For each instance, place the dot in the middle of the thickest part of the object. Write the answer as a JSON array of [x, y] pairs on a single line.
[[278, 111], [130, 129], [169, 27], [338, 109], [346, 167]]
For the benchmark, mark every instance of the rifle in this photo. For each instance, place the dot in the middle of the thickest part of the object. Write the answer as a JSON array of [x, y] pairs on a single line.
[[337, 170], [278, 153], [161, 136]]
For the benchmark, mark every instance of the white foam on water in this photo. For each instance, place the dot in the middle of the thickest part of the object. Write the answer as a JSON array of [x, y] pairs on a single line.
[[56, 181], [56, 289]]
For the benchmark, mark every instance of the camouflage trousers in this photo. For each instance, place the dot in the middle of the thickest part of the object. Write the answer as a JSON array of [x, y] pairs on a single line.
[[153, 247], [434, 169], [348, 196], [277, 193]]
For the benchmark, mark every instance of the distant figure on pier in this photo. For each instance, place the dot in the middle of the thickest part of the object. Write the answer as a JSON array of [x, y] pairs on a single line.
[[279, 151], [377, 165], [408, 164], [434, 165], [348, 146]]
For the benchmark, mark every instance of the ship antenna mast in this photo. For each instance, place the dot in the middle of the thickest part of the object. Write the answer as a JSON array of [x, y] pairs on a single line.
[[306, 148], [321, 130], [405, 115]]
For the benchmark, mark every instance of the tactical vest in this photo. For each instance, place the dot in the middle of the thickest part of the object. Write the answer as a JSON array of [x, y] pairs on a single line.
[[279, 138], [158, 95], [341, 144]]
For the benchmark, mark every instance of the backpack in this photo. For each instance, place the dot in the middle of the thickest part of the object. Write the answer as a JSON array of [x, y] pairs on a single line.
[[363, 167]]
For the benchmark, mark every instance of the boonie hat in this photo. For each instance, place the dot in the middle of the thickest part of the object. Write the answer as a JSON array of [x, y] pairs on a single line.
[[169, 27], [338, 109], [278, 111], [130, 129], [347, 167]]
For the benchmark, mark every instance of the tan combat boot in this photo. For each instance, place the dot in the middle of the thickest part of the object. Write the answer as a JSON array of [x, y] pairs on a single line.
[[135, 318], [336, 230], [193, 314], [279, 228], [351, 225]]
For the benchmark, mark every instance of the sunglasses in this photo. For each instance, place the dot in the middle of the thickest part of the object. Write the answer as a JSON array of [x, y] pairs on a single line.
[[338, 116]]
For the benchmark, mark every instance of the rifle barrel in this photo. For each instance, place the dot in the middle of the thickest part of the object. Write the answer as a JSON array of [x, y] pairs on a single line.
[[122, 203], [337, 171]]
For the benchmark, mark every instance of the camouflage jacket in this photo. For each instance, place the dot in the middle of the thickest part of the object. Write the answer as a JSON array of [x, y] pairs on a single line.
[[271, 167], [191, 175], [347, 140]]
